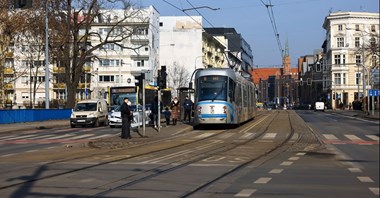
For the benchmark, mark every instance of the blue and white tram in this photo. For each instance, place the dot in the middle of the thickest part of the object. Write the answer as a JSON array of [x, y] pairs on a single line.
[[222, 97]]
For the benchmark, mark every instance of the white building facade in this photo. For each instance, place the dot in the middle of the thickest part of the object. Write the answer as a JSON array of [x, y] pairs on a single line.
[[113, 65], [347, 63], [185, 47]]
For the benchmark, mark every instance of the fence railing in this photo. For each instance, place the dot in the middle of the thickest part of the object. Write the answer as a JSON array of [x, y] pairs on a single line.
[[33, 115]]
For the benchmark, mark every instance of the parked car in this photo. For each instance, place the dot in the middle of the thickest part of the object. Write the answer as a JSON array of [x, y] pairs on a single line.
[[89, 112], [115, 117]]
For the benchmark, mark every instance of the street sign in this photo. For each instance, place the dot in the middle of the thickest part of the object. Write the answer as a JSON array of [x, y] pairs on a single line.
[[373, 92]]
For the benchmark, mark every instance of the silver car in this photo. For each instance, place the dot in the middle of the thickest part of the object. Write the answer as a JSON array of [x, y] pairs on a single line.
[[115, 118]]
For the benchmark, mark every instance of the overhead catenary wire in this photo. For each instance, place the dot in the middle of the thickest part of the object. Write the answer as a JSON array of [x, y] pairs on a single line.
[[182, 10], [274, 26]]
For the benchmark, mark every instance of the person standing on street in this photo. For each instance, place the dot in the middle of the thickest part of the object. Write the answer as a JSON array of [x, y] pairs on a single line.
[[174, 106], [125, 111], [167, 114], [188, 106], [154, 109]]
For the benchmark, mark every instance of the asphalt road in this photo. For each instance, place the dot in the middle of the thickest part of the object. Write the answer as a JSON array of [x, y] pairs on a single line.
[[279, 154]]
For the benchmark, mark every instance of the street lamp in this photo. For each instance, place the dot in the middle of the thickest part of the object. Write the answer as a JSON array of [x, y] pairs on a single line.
[[195, 62]]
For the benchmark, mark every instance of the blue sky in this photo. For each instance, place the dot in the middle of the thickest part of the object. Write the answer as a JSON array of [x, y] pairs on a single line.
[[299, 21]]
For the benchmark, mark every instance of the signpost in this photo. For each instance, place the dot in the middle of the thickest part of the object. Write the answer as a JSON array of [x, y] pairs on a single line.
[[373, 93]]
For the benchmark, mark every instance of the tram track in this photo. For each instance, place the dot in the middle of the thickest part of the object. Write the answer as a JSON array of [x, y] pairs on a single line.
[[181, 163], [87, 167]]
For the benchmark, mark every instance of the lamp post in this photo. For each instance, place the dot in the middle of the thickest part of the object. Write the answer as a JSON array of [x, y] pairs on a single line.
[[195, 62], [46, 58]]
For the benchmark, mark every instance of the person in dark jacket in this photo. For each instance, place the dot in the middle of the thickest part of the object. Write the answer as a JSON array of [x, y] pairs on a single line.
[[187, 106], [167, 114], [126, 115], [154, 109]]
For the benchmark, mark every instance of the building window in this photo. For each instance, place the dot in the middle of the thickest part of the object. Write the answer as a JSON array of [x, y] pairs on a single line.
[[357, 41], [373, 28], [340, 27], [318, 67], [344, 79], [357, 27], [374, 60], [111, 46], [337, 78], [106, 78], [358, 59], [39, 79], [336, 59], [140, 63], [109, 63], [24, 79], [340, 42], [357, 79], [24, 95], [161, 24], [343, 59], [372, 42]]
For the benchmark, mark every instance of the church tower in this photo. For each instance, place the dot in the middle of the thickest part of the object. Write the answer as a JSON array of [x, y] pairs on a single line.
[[286, 60]]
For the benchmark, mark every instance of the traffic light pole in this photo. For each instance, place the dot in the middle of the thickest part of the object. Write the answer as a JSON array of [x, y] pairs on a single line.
[[159, 111]]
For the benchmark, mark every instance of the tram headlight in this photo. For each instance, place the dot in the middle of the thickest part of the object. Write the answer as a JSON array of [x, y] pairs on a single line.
[[225, 109]]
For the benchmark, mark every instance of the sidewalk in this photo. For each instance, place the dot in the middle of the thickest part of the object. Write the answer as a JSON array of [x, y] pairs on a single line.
[[19, 127]]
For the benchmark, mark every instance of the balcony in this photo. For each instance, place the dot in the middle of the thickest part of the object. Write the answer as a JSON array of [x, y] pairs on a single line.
[[58, 70], [83, 85], [8, 54], [8, 70], [87, 68], [59, 85], [8, 86], [139, 39]]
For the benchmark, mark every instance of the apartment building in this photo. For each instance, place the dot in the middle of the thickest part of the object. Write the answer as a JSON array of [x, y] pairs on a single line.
[[112, 65], [347, 60], [185, 47]]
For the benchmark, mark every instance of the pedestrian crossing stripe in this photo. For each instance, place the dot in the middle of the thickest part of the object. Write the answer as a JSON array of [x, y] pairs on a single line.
[[51, 138], [351, 139]]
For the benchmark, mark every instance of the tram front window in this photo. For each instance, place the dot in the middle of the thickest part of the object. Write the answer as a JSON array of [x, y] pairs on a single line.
[[212, 88]]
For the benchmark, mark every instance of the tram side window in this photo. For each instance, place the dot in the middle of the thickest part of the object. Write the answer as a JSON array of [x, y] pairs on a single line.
[[231, 90], [245, 95]]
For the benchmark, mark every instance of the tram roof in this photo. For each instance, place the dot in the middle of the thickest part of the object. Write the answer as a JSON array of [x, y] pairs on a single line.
[[216, 71]]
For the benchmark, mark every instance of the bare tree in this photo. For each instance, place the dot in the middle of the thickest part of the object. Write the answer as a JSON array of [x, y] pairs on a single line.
[[372, 47], [73, 38], [178, 76], [10, 23], [29, 42]]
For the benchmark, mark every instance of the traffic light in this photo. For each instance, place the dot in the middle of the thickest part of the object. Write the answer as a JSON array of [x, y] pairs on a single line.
[[159, 79], [162, 79]]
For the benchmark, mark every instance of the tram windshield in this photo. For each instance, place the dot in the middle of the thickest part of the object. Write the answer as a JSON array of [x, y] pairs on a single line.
[[212, 88]]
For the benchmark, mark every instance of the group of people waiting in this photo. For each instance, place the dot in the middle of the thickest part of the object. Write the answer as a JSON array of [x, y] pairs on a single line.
[[172, 111], [174, 114]]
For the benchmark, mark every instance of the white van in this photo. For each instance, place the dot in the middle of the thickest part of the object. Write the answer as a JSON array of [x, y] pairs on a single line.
[[319, 106], [89, 112]]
